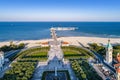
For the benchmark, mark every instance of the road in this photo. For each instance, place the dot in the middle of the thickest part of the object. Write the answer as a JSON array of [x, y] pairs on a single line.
[[11, 53], [98, 56], [8, 55], [99, 72], [5, 68], [101, 59]]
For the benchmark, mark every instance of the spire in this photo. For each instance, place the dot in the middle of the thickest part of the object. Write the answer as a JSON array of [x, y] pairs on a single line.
[[108, 40]]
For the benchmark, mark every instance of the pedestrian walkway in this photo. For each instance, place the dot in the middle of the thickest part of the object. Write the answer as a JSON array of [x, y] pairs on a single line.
[[55, 60]]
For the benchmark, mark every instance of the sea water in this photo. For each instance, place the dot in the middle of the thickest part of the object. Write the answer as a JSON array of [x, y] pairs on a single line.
[[41, 30]]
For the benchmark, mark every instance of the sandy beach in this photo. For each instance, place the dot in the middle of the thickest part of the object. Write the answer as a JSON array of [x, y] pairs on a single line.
[[70, 40]]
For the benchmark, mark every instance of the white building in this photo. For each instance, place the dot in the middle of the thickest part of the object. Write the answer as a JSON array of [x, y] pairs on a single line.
[[1, 60], [109, 51]]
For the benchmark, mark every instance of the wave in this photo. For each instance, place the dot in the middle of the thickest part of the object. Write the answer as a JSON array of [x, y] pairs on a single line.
[[76, 33]]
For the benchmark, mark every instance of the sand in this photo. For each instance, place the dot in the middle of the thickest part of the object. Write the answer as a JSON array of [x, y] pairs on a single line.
[[72, 41]]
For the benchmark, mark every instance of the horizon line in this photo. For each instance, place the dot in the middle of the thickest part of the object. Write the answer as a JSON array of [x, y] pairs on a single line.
[[59, 21]]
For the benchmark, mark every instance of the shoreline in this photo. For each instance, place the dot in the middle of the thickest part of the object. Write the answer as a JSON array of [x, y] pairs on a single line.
[[71, 40]]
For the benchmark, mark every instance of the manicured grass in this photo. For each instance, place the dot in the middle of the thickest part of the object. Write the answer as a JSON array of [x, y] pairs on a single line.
[[75, 52], [40, 54]]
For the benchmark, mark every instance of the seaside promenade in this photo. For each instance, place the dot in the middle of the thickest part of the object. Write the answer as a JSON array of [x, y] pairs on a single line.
[[56, 47], [55, 60]]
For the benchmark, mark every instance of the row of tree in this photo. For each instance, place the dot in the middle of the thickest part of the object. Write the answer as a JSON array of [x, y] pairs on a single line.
[[20, 71], [98, 48], [102, 51], [10, 47], [83, 70]]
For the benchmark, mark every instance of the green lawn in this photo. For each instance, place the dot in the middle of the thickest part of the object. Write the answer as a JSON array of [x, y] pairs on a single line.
[[26, 59]]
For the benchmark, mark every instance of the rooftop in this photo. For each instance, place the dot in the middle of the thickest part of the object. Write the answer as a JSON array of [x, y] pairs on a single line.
[[117, 65], [118, 70], [109, 45]]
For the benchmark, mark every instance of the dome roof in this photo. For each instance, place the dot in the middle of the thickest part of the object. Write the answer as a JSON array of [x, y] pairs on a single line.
[[109, 46]]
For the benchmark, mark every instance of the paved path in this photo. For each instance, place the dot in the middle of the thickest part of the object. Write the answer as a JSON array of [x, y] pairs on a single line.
[[42, 66], [71, 72], [55, 60], [7, 65], [5, 68], [99, 72], [100, 58]]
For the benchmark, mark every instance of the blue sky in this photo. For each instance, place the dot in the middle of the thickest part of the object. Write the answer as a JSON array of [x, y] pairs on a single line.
[[59, 10]]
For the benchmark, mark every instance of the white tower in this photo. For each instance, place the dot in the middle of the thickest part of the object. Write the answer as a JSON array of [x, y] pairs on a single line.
[[109, 51], [1, 60]]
